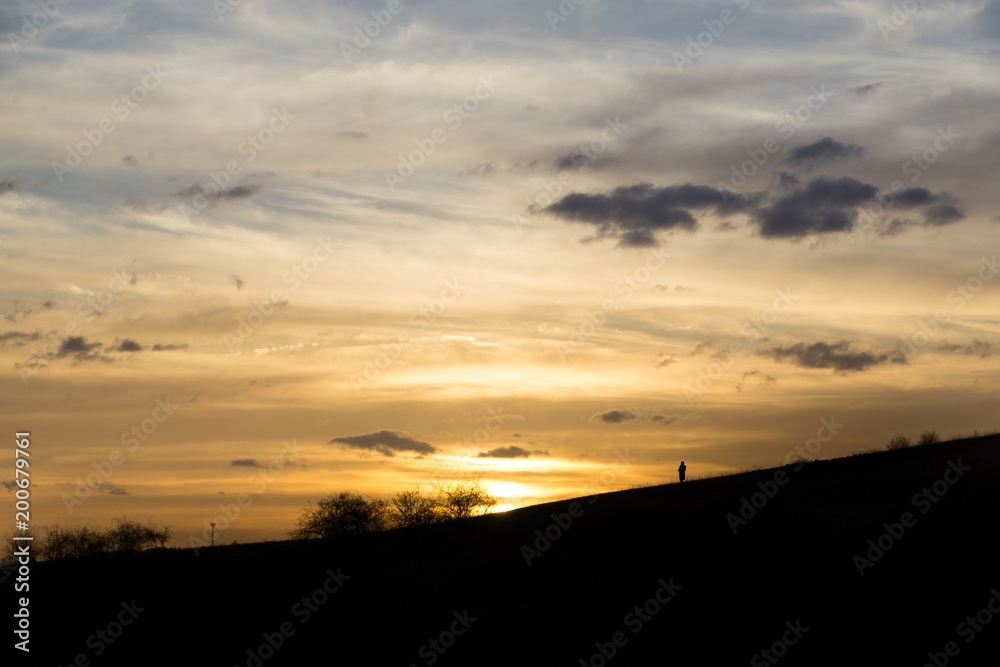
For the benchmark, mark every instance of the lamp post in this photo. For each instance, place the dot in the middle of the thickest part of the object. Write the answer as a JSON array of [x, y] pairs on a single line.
[[213, 533]]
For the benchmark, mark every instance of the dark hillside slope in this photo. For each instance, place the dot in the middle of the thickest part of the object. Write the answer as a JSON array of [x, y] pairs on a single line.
[[732, 595]]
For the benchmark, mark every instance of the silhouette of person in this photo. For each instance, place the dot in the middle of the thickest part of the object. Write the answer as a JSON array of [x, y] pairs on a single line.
[[681, 471]]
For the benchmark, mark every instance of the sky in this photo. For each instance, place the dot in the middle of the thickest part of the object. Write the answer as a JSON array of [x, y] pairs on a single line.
[[255, 252]]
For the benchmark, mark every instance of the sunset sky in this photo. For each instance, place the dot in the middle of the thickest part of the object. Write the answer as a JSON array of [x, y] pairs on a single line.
[[558, 247]]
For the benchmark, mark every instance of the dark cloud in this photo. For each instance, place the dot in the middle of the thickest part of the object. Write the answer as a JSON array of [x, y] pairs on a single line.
[[18, 338], [867, 89], [386, 443], [701, 347], [783, 179], [977, 348], [108, 488], [664, 360], [78, 347], [237, 192], [839, 356], [822, 207], [10, 485], [613, 417], [635, 213], [245, 463], [808, 155], [664, 420], [7, 185], [168, 347], [17, 313], [578, 160], [512, 452], [130, 161], [128, 345]]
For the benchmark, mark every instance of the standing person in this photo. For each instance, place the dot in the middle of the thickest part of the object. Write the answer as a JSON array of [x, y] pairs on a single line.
[[681, 471]]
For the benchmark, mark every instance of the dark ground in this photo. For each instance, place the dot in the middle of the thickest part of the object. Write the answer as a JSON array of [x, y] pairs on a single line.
[[792, 562]]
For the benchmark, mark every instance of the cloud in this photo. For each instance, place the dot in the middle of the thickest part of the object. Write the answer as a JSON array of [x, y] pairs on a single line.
[[10, 485], [236, 192], [352, 134], [108, 488], [160, 347], [635, 213], [839, 356], [578, 160], [824, 206], [130, 161], [613, 417], [386, 443], [664, 360], [7, 185], [701, 347], [977, 348], [18, 338], [664, 420], [78, 347], [128, 345], [245, 463], [512, 452], [866, 90], [809, 155]]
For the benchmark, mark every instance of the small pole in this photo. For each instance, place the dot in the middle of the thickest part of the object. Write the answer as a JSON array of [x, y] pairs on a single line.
[[213, 533]]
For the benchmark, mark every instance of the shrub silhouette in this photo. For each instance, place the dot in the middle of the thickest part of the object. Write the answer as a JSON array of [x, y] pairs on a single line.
[[344, 513], [348, 513], [129, 535], [413, 508], [462, 499], [898, 442], [75, 541], [928, 438]]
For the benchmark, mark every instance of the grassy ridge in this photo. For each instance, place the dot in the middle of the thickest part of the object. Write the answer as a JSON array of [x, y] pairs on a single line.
[[654, 575]]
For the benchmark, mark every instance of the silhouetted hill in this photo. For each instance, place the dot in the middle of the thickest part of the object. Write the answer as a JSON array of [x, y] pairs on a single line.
[[732, 595]]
